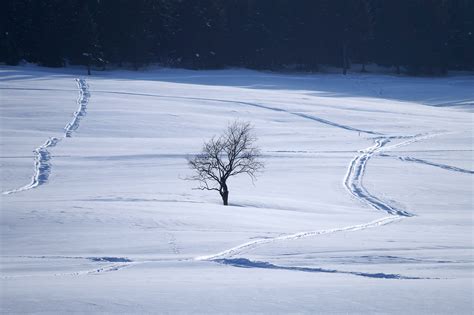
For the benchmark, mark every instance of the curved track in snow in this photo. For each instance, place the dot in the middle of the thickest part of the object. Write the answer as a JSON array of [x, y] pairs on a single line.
[[42, 166], [353, 181], [355, 174], [231, 252], [275, 109], [82, 101], [42, 155], [429, 163]]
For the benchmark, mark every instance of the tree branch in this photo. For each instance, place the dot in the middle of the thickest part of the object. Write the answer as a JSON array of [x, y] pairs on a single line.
[[233, 153]]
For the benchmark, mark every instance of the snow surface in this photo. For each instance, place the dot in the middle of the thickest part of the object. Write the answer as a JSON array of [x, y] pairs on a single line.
[[365, 204]]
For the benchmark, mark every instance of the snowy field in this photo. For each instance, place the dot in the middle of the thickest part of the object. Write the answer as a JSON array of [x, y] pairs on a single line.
[[365, 204]]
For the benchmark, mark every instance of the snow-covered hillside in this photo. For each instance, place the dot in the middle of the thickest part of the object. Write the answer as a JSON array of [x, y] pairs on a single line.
[[365, 204]]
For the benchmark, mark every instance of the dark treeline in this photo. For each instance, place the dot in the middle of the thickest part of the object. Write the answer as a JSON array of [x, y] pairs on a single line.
[[419, 36]]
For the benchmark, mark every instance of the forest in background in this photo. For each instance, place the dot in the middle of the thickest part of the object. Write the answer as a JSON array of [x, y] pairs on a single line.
[[413, 36]]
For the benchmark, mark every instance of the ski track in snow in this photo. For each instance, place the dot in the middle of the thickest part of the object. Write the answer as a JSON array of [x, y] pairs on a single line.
[[354, 176], [118, 263], [275, 109], [42, 154], [259, 242], [314, 118], [425, 162]]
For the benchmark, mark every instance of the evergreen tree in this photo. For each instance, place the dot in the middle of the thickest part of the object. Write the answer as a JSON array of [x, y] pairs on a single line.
[[423, 37]]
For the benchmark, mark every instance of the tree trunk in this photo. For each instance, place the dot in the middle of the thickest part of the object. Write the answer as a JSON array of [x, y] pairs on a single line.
[[225, 195], [225, 198]]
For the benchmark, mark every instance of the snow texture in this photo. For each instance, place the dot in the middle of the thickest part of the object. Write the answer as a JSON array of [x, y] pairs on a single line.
[[365, 205]]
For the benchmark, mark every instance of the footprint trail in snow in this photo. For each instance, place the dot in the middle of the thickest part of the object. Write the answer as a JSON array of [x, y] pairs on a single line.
[[42, 156]]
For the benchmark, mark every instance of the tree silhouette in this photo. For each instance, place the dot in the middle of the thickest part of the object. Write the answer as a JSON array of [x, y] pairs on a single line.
[[232, 153]]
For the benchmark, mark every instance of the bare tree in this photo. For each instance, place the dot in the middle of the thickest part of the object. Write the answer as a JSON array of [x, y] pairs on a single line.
[[233, 153]]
